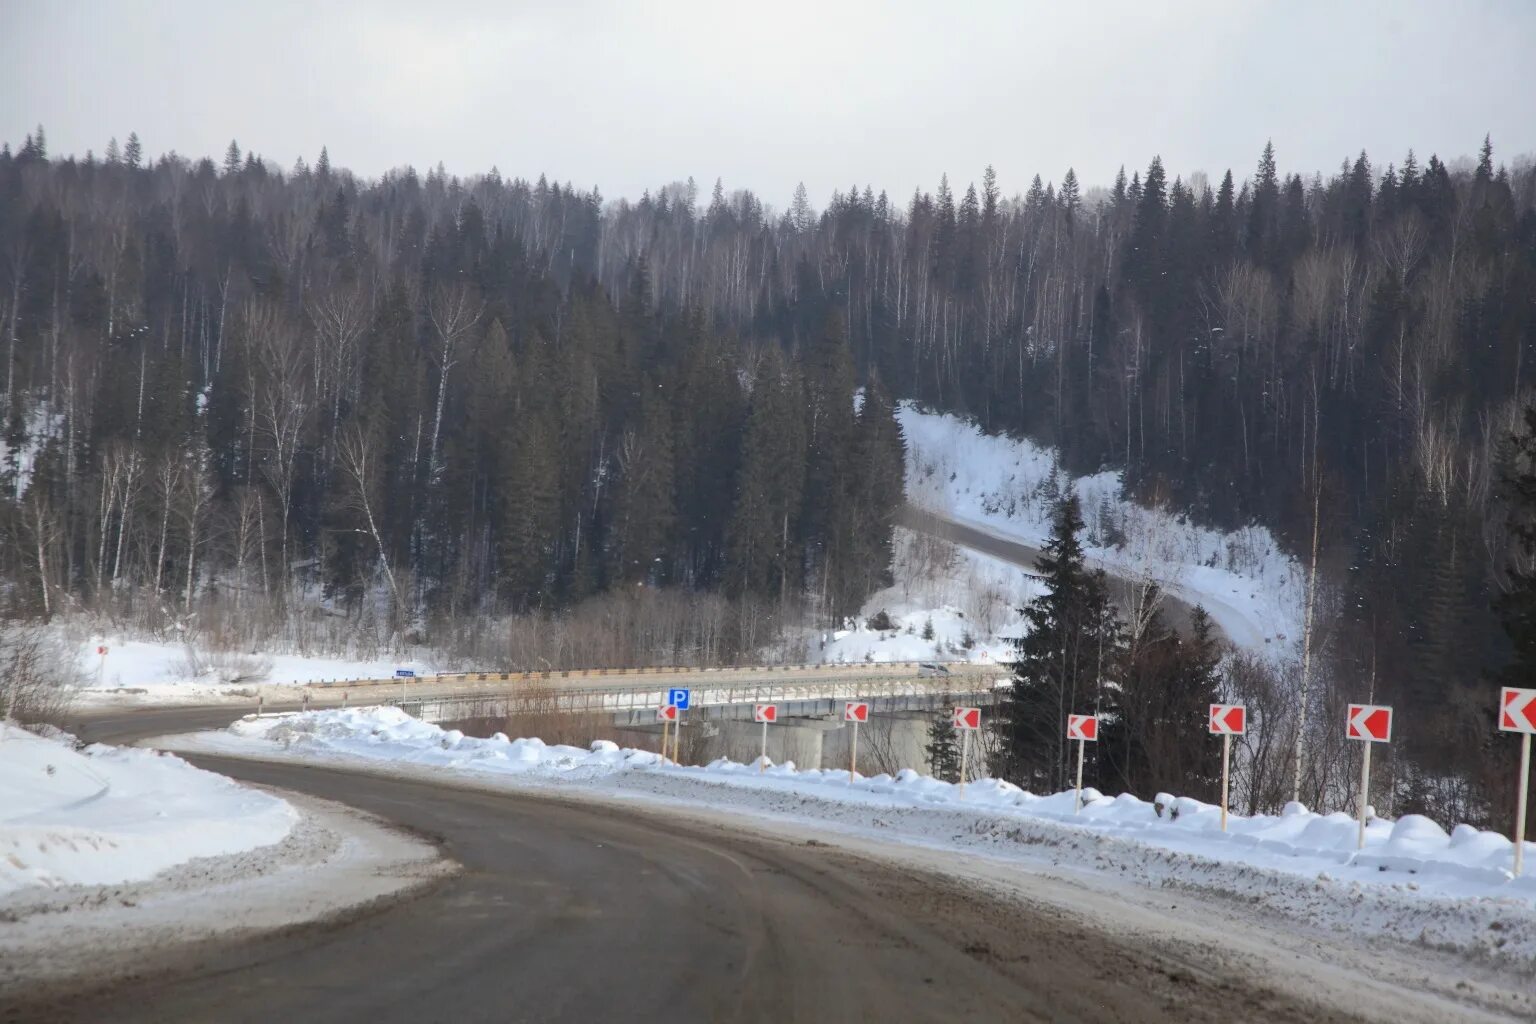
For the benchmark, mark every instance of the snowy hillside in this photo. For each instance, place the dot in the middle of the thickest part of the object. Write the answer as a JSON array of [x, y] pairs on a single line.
[[1000, 485], [107, 814]]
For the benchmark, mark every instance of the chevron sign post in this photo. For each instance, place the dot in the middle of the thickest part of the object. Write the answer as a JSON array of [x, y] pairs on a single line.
[[1517, 713], [666, 715], [765, 714], [1371, 723], [854, 711], [1227, 720], [1084, 729], [967, 720]]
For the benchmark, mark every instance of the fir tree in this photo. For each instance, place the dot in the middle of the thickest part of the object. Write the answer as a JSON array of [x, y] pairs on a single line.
[[1070, 635], [943, 747]]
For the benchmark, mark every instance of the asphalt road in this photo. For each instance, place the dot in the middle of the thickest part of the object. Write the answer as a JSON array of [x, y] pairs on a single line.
[[580, 912]]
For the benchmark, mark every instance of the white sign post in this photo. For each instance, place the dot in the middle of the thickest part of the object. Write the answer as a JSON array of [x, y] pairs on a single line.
[[666, 715], [1370, 723], [101, 667], [1084, 729], [967, 720], [854, 711], [764, 713], [1227, 720], [1517, 713]]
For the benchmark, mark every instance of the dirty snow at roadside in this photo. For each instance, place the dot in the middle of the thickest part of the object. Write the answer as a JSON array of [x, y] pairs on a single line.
[[1251, 588], [1449, 886], [105, 815]]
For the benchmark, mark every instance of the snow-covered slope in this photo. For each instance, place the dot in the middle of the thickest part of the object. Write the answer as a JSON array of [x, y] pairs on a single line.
[[111, 814], [1001, 485], [170, 672], [948, 604]]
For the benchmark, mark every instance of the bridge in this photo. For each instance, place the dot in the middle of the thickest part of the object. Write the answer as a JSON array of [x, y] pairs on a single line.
[[725, 694]]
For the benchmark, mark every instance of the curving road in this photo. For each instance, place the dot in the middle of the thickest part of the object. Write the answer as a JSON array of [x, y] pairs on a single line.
[[581, 912], [921, 520]]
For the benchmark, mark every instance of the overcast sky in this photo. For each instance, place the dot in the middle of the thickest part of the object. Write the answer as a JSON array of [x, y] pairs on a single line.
[[630, 95]]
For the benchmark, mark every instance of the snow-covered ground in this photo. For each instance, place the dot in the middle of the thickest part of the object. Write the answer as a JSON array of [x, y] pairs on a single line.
[[1000, 485], [145, 671], [948, 603], [1452, 889], [109, 814]]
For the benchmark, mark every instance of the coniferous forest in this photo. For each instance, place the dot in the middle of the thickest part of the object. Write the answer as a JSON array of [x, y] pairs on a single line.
[[444, 396]]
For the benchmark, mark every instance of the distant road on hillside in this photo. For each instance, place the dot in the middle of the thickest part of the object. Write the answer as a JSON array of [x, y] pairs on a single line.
[[1024, 556]]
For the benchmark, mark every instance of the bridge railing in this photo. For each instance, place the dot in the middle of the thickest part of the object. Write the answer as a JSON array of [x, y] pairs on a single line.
[[726, 701]]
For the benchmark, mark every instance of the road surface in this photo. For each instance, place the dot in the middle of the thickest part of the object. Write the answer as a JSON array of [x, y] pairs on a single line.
[[571, 911]]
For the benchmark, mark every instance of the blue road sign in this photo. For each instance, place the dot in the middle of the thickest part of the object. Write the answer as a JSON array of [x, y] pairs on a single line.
[[405, 673], [678, 697]]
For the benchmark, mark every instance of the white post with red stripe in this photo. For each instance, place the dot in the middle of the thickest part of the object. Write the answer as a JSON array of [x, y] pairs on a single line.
[[764, 713], [967, 720], [1371, 723], [854, 711], [1084, 729], [666, 715], [1517, 713], [1227, 720]]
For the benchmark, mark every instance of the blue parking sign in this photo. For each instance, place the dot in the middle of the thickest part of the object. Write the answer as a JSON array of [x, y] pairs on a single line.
[[678, 698]]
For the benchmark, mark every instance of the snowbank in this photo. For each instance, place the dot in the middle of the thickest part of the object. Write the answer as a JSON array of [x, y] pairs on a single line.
[[1413, 855], [1253, 590], [109, 814]]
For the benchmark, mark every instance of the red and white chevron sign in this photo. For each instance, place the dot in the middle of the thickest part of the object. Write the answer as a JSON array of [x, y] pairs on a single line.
[[856, 711], [1229, 719], [1517, 710], [1083, 727], [765, 713], [966, 718], [666, 713], [1372, 722]]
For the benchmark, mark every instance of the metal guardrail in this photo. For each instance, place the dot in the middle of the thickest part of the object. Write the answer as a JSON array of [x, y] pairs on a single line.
[[595, 673], [806, 697]]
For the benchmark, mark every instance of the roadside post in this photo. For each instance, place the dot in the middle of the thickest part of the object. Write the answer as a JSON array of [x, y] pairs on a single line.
[[766, 714], [1517, 713], [967, 720], [1227, 720], [666, 715], [101, 666], [404, 674], [1369, 723], [680, 698], [1084, 729], [855, 711]]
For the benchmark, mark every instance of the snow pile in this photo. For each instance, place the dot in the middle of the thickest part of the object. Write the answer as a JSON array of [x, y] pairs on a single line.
[[387, 733], [1412, 853], [103, 814], [1253, 590]]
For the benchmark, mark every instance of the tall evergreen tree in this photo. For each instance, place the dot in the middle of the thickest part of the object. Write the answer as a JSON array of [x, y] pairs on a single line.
[[1070, 636]]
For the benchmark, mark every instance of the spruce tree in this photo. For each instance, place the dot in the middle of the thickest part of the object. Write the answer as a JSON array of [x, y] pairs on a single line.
[[1516, 606], [943, 748], [1070, 634]]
